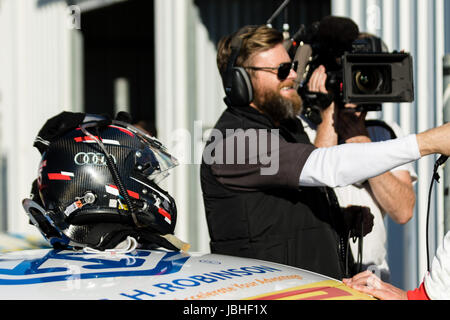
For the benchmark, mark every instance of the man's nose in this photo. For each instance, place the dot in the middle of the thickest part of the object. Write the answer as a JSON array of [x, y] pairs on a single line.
[[292, 74]]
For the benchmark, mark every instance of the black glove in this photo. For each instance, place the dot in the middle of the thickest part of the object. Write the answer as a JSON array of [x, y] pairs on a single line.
[[350, 125], [61, 124], [56, 127], [358, 220], [124, 117]]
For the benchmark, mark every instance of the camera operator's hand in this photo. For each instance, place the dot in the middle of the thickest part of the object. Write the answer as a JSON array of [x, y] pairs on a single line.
[[317, 85], [351, 126], [317, 82], [326, 132]]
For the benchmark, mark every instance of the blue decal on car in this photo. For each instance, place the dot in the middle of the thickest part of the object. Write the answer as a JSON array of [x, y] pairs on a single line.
[[31, 271]]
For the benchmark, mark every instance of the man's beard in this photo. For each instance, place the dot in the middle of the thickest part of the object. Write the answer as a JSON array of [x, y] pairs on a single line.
[[278, 107]]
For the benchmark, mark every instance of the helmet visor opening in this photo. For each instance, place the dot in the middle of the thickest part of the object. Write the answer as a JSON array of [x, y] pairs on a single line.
[[153, 160], [154, 163]]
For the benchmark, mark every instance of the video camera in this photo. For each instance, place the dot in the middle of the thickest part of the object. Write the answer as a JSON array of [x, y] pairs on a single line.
[[360, 70]]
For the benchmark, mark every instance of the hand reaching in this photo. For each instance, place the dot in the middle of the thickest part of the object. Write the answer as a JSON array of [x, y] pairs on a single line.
[[368, 283]]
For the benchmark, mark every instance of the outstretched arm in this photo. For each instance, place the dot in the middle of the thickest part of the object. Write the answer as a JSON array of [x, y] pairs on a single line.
[[356, 162], [435, 140]]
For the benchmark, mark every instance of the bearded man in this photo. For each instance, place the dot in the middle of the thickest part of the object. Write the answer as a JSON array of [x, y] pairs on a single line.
[[266, 188]]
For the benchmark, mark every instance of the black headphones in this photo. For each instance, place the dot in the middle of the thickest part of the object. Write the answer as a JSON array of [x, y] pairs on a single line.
[[237, 83]]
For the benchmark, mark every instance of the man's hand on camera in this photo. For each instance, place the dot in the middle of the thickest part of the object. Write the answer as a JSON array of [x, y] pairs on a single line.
[[351, 125], [326, 132], [317, 82], [317, 85]]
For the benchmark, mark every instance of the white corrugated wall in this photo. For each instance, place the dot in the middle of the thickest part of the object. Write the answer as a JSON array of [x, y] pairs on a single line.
[[189, 96], [416, 26], [173, 103], [35, 83]]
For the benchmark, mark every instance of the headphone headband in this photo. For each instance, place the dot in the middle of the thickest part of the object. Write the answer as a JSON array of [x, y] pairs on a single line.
[[237, 83], [235, 45]]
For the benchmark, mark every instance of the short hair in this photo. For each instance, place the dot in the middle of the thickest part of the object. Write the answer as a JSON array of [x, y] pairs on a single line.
[[255, 39]]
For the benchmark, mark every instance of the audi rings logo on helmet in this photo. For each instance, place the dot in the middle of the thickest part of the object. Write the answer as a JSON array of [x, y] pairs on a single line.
[[91, 158]]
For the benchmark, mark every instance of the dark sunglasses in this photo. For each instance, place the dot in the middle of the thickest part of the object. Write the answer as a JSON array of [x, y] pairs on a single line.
[[283, 70]]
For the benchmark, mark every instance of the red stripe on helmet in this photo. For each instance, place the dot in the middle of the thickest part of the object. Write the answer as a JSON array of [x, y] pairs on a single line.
[[85, 138], [130, 193], [133, 194], [164, 213], [128, 132], [58, 176]]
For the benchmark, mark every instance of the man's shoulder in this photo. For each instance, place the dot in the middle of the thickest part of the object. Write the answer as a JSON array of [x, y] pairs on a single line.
[[229, 120], [233, 118]]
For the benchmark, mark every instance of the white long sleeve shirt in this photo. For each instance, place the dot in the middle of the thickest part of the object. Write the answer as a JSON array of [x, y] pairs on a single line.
[[356, 162], [437, 282]]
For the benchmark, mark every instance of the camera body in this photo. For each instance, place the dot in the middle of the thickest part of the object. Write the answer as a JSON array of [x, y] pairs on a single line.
[[360, 70]]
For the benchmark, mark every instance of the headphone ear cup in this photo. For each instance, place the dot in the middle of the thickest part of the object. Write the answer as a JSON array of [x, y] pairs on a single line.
[[241, 93]]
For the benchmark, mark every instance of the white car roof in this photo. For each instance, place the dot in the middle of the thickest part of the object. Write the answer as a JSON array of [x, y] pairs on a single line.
[[158, 274]]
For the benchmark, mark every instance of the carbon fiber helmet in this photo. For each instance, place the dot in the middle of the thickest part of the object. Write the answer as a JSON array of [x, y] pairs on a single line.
[[98, 184]]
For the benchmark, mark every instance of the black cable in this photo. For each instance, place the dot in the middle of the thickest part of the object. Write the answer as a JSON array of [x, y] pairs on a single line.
[[360, 252], [436, 178], [359, 262], [114, 172], [347, 250]]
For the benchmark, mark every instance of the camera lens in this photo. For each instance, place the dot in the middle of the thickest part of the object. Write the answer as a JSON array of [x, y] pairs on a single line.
[[368, 80]]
